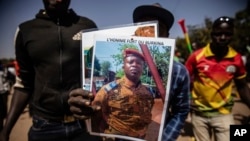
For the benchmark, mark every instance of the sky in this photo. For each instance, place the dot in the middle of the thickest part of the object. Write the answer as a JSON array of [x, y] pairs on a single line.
[[112, 13]]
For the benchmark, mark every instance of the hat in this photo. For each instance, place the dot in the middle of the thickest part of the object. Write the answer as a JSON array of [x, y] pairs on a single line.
[[132, 52], [154, 10], [223, 19]]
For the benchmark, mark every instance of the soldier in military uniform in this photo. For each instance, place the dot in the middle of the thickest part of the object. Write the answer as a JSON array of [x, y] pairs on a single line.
[[126, 103]]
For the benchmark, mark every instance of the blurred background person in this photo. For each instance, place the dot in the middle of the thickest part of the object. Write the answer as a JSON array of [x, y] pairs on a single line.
[[213, 69]]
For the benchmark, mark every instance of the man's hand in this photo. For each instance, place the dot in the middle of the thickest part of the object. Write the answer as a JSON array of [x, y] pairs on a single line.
[[80, 103]]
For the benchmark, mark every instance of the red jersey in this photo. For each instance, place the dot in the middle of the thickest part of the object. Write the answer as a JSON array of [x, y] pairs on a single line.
[[213, 80]]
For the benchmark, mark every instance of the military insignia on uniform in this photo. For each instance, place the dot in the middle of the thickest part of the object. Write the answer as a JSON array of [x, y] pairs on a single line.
[[231, 69], [111, 86]]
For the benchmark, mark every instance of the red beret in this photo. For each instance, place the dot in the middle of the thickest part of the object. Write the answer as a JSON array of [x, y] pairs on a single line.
[[132, 52]]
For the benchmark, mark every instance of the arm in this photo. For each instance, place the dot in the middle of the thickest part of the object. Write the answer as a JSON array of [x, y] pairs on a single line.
[[22, 88], [191, 67], [18, 103], [179, 105], [241, 82], [243, 89], [190, 64]]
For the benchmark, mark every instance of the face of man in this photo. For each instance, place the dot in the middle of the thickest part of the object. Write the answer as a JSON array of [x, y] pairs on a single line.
[[133, 67], [56, 7], [222, 35]]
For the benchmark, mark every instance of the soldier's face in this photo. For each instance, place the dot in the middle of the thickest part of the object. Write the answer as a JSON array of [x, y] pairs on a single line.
[[133, 67]]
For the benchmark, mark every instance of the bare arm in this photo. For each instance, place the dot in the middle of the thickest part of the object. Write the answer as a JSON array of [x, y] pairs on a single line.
[[244, 90], [18, 103]]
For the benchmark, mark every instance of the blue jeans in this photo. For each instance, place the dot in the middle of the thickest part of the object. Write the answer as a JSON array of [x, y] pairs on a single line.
[[45, 130]]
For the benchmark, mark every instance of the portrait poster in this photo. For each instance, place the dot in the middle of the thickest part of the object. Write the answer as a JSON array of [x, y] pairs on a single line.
[[108, 67], [134, 29]]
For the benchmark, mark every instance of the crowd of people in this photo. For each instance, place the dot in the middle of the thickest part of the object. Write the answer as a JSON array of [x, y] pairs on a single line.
[[49, 79]]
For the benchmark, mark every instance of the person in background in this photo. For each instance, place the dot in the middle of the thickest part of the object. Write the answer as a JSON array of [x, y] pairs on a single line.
[[179, 101], [213, 69], [4, 92], [47, 53]]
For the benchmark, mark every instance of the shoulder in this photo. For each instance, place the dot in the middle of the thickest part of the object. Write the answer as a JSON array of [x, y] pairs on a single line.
[[179, 72], [110, 86], [199, 52], [195, 56], [178, 67], [87, 22], [27, 23], [178, 64], [83, 21], [37, 18], [232, 53]]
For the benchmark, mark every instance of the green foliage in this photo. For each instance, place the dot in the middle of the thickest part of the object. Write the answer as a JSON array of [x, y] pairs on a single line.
[[119, 73], [97, 67], [242, 28], [119, 57], [161, 59], [199, 35], [105, 66]]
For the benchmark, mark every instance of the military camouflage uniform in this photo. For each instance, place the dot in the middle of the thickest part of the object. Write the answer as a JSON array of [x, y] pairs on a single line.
[[126, 110]]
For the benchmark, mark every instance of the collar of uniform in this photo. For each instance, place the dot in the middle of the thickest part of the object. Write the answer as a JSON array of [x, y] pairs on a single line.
[[128, 83], [230, 54]]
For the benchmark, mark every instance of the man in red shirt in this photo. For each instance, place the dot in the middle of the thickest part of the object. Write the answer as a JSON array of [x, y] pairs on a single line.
[[213, 69]]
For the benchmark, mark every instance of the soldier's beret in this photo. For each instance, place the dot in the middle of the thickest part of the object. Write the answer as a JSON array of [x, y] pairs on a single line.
[[132, 52]]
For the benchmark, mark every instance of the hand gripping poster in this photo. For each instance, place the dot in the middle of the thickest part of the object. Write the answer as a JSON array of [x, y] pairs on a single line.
[[134, 75], [146, 29]]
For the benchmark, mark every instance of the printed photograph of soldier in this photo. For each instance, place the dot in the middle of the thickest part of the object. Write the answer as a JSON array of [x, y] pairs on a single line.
[[146, 29], [126, 102], [131, 103]]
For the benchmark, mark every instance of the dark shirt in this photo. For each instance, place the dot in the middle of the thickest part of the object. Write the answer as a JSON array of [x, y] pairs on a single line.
[[49, 56]]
